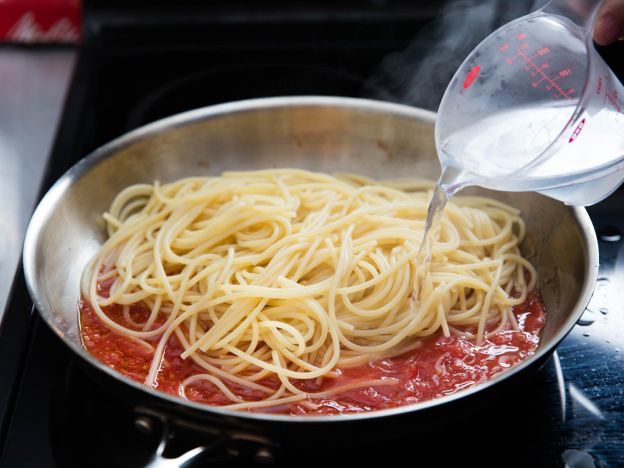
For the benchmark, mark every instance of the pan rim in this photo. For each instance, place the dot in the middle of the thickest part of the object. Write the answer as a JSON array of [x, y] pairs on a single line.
[[55, 193]]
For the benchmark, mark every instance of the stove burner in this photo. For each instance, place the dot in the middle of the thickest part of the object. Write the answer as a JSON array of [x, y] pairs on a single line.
[[236, 82]]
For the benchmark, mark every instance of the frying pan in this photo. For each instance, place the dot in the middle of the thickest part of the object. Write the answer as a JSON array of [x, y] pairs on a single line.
[[329, 134]]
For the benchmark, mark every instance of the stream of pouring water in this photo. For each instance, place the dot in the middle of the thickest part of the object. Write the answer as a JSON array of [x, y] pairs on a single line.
[[448, 184]]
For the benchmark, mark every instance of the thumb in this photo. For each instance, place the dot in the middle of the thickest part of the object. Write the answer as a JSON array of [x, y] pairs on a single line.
[[609, 25]]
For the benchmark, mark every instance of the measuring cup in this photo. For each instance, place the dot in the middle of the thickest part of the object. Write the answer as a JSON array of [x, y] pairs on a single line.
[[535, 108]]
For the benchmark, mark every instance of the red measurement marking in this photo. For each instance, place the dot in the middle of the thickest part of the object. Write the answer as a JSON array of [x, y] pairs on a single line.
[[504, 47], [540, 52], [599, 86], [576, 131], [611, 97], [551, 84], [471, 76], [521, 37], [538, 70], [518, 54], [567, 93]]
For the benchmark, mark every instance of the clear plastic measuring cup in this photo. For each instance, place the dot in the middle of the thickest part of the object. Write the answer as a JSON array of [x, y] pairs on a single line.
[[535, 107]]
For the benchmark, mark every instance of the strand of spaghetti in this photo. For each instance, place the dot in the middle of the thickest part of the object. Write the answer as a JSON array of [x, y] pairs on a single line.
[[352, 386], [218, 372], [267, 402], [486, 305], [213, 380]]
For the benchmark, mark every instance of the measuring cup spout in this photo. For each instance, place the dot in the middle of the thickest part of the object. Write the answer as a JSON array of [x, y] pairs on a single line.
[[581, 12]]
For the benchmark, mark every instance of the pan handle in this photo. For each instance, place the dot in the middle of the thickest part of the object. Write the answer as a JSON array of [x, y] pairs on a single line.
[[224, 445]]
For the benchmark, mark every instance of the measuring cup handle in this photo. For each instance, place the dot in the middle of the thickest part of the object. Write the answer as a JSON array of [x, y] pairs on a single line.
[[581, 12]]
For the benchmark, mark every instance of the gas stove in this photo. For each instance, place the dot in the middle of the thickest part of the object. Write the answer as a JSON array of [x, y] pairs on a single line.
[[133, 71]]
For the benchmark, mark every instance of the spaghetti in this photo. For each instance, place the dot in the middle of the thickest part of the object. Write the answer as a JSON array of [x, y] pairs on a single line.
[[288, 276]]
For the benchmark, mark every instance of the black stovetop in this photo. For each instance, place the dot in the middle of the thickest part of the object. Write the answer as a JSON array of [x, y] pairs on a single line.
[[571, 413]]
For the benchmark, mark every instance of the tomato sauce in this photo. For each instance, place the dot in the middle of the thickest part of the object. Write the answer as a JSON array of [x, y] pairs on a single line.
[[441, 366]]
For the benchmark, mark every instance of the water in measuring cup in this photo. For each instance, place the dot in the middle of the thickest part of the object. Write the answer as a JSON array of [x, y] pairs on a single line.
[[503, 143], [498, 152]]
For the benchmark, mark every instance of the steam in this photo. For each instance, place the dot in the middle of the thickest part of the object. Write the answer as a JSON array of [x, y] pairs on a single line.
[[419, 74]]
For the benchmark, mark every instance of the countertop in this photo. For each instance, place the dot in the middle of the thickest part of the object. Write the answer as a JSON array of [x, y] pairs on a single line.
[[33, 85]]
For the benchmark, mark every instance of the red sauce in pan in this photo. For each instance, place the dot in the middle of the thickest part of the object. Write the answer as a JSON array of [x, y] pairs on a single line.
[[441, 366]]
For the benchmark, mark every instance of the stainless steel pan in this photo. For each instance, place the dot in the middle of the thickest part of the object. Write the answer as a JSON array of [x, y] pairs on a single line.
[[318, 133]]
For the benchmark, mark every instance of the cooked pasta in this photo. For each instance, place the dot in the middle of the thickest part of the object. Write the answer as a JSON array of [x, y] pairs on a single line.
[[290, 275]]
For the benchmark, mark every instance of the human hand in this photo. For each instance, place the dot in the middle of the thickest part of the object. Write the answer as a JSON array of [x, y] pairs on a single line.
[[609, 25]]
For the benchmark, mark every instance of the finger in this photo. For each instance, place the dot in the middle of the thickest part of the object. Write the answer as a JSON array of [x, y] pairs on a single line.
[[609, 25]]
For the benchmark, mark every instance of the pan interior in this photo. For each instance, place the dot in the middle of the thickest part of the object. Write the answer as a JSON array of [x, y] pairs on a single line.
[[319, 134]]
